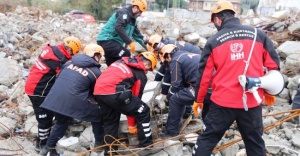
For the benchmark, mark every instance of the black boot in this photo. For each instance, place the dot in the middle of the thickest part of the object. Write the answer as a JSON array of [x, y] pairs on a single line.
[[47, 149], [39, 145]]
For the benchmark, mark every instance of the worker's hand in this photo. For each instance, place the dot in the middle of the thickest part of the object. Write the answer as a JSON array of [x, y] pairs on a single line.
[[197, 105], [132, 47], [166, 102], [269, 99], [132, 129], [145, 39]]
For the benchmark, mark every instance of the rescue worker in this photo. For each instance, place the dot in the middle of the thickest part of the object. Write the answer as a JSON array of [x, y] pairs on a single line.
[[184, 67], [227, 52], [155, 44], [119, 31], [72, 96], [42, 77], [119, 90]]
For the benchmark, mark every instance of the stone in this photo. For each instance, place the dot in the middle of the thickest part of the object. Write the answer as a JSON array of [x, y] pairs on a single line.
[[173, 148], [31, 126], [9, 71], [86, 139], [7, 124], [296, 140]]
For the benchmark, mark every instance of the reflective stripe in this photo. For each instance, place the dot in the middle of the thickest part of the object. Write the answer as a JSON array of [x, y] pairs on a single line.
[[161, 74], [40, 64], [44, 130], [147, 129], [43, 134], [146, 124], [148, 134], [43, 138], [171, 92], [167, 84]]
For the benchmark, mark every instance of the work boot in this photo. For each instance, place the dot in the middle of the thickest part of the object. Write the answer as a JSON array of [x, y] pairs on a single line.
[[47, 149], [98, 143], [149, 151], [39, 145]]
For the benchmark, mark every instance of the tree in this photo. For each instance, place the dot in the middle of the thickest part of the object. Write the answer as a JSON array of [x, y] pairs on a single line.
[[102, 9]]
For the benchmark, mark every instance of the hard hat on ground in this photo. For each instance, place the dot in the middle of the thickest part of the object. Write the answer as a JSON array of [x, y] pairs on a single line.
[[73, 43], [221, 6]]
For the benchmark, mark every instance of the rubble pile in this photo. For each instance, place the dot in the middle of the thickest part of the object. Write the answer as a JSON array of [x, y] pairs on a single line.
[[26, 30]]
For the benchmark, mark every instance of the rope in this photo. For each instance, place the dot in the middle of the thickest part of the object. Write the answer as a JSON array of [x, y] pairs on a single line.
[[117, 142]]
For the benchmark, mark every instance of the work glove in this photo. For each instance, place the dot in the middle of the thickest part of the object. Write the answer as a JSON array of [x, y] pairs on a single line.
[[197, 105], [269, 99], [132, 47], [132, 129]]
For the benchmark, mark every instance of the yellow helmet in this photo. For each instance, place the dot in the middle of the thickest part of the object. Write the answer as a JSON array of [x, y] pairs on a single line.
[[93, 49], [154, 40], [151, 57], [142, 4], [167, 49], [221, 6], [73, 43]]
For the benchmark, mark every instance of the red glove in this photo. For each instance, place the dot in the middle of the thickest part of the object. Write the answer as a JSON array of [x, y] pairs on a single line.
[[269, 99]]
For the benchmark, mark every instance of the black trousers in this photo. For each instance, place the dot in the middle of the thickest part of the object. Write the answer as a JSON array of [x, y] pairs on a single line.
[[219, 119], [43, 117], [62, 123], [113, 51], [113, 105], [296, 106]]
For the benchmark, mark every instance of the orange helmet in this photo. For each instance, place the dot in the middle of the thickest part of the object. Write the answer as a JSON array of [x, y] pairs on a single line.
[[167, 49], [73, 43], [151, 57], [142, 4], [154, 40], [221, 6], [93, 49]]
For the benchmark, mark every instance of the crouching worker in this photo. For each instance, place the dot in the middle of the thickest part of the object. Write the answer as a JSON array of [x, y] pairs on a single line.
[[184, 66], [72, 97], [115, 93]]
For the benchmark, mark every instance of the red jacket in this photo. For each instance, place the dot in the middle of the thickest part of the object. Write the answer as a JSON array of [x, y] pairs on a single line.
[[226, 52], [128, 73], [43, 73]]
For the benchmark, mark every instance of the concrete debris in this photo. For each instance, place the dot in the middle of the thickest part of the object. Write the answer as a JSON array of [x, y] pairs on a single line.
[[26, 30]]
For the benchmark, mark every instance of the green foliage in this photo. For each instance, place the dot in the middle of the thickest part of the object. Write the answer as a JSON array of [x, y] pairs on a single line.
[[100, 9], [103, 9]]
